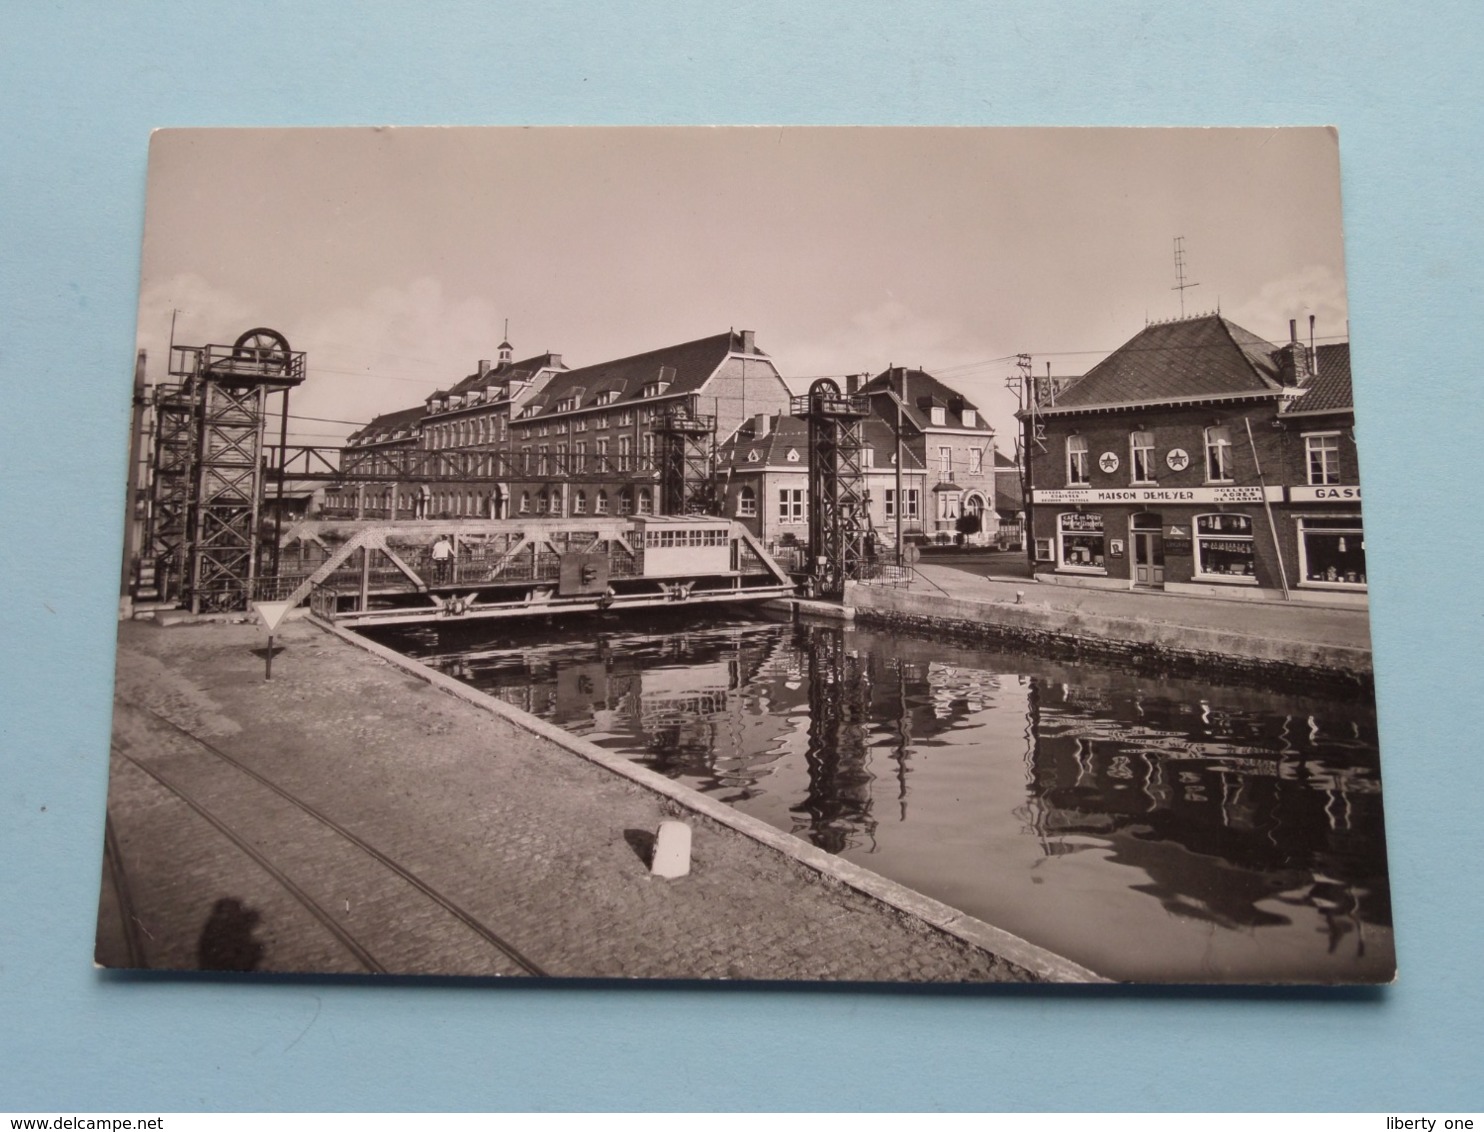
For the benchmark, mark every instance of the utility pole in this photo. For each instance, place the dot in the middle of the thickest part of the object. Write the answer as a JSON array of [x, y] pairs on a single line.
[[133, 485]]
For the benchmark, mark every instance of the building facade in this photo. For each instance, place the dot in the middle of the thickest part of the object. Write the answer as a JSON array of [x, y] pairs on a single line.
[[763, 468], [947, 436], [1200, 459]]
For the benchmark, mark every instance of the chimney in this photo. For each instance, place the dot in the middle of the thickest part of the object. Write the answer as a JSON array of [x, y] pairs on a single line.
[[484, 367], [554, 360], [1313, 350], [1293, 359], [747, 346], [761, 426]]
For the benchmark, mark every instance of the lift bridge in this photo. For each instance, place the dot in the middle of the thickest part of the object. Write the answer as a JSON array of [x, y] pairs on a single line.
[[206, 545]]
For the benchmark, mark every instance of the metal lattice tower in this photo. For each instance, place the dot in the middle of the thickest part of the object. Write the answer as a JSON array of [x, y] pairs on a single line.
[[687, 462], [208, 467], [172, 488], [838, 520]]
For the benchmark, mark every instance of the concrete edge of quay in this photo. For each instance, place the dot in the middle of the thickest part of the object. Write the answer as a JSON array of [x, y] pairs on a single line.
[[1044, 965], [1121, 640]]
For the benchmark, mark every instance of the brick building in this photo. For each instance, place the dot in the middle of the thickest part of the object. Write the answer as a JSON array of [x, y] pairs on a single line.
[[947, 436], [589, 441], [1199, 458], [764, 471]]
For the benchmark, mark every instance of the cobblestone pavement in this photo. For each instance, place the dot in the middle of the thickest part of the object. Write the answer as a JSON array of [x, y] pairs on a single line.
[[1296, 621], [345, 816]]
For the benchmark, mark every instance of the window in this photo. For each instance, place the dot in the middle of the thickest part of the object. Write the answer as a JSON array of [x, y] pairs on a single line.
[[525, 457], [607, 397], [948, 505], [793, 456], [626, 501], [791, 505], [1224, 549], [976, 461], [579, 456], [579, 503], [938, 415], [1077, 460], [579, 425], [891, 503], [543, 461], [625, 453], [525, 502], [1332, 551], [600, 421], [1323, 449], [646, 502], [1218, 453], [911, 503], [600, 504], [600, 448], [1141, 456], [626, 417], [752, 456], [868, 457], [945, 463], [971, 418], [646, 446], [1079, 539]]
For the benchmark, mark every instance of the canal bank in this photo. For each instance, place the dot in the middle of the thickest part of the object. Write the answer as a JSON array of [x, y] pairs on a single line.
[[1323, 650], [499, 826]]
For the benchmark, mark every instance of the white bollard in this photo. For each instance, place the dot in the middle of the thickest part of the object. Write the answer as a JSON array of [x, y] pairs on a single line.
[[671, 850]]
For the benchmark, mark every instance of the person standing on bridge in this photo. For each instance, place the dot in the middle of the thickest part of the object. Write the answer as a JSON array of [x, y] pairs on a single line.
[[442, 559]]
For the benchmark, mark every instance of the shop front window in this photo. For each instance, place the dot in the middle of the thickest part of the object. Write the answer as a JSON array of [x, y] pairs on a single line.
[[1077, 463], [1332, 551], [1080, 542], [1323, 450], [1224, 548]]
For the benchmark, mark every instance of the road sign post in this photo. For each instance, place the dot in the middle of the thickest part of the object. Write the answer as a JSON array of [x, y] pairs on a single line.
[[271, 613]]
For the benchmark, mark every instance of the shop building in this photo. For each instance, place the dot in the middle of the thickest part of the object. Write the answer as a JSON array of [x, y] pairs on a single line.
[[1199, 458]]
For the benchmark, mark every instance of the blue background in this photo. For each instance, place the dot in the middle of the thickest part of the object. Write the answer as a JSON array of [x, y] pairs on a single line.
[[81, 86]]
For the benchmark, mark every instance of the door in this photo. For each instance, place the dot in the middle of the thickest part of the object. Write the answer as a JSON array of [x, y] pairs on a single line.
[[1149, 558]]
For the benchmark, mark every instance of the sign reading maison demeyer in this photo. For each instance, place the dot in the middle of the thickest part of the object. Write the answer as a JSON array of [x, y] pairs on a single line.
[[1155, 495]]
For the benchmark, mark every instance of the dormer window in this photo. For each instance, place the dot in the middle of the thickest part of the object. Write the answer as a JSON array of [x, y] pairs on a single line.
[[655, 388], [793, 456], [607, 397], [752, 456], [971, 418], [939, 415]]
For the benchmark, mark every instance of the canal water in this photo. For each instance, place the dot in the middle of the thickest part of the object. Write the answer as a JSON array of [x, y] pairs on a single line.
[[1150, 829]]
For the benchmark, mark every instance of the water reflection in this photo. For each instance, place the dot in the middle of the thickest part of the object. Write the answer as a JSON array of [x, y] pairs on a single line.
[[1154, 829]]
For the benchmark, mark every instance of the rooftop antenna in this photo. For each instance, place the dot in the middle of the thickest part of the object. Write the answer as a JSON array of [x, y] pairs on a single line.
[[1180, 284]]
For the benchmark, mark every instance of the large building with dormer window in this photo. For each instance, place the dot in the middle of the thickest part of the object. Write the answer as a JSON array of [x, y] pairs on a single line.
[[589, 442], [1199, 458]]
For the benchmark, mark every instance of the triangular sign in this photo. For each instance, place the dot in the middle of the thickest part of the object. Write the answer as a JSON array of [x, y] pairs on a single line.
[[271, 612], [1179, 532]]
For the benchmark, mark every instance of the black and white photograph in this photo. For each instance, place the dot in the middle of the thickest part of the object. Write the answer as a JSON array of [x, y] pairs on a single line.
[[856, 555]]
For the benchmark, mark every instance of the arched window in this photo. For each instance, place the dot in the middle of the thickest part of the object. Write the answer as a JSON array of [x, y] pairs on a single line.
[[579, 503], [747, 503], [525, 502], [626, 501], [646, 502], [600, 504]]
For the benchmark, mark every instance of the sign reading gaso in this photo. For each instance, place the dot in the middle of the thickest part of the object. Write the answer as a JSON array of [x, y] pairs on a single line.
[[271, 612], [1338, 493]]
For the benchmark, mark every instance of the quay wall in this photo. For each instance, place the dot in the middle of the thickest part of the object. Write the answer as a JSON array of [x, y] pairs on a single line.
[[1154, 647], [1025, 960]]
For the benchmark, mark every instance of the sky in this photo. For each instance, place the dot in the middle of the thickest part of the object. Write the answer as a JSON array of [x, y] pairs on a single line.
[[393, 257]]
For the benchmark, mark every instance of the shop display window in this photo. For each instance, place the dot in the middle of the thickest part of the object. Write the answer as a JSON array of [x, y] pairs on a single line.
[[1224, 548], [1080, 544], [1332, 551]]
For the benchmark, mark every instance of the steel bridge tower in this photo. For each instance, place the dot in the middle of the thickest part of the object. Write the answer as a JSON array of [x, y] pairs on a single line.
[[838, 519], [208, 467], [687, 462]]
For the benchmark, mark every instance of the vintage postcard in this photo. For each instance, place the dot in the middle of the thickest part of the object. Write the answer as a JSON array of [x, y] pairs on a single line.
[[870, 555]]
